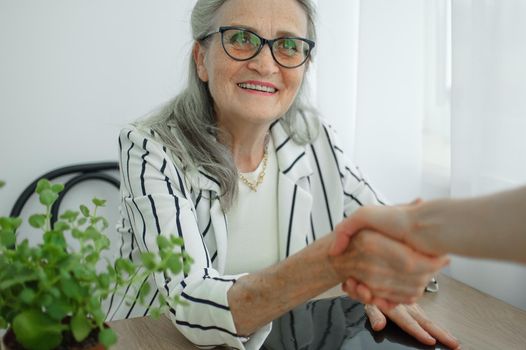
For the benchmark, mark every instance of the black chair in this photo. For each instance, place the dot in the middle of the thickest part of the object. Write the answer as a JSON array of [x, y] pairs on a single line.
[[81, 172]]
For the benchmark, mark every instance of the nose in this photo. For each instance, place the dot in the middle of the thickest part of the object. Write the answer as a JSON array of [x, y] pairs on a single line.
[[264, 63]]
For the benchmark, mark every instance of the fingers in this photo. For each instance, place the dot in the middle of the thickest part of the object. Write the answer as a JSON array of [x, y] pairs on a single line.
[[364, 293], [376, 317], [349, 287], [433, 329], [405, 321], [412, 319]]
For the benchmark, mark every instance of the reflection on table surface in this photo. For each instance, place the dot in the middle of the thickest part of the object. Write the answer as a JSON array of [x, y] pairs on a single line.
[[335, 323]]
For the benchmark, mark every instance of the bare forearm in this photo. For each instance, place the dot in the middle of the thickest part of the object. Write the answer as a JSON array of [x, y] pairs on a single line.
[[258, 298], [492, 226]]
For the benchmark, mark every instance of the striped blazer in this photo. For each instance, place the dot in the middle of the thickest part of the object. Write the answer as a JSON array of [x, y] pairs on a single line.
[[317, 188]]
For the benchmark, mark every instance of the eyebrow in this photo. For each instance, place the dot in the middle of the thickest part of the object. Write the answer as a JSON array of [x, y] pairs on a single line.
[[280, 33]]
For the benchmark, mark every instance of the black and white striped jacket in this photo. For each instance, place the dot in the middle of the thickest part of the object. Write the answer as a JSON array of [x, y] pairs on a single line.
[[317, 188]]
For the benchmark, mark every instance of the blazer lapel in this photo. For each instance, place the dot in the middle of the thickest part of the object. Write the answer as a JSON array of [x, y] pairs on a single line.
[[294, 198], [218, 220]]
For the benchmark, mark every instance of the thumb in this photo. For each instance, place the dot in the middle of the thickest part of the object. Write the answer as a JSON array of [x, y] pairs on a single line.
[[344, 230]]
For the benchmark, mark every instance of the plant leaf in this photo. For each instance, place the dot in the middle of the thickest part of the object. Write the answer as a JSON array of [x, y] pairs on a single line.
[[17, 279], [80, 326], [163, 242], [42, 184], [124, 265], [37, 220], [2, 183], [10, 223], [143, 292], [98, 316], [174, 263], [155, 313], [61, 226], [71, 288], [58, 309], [27, 296], [99, 202], [8, 239], [57, 188], [48, 197], [36, 331], [56, 238], [102, 243], [177, 240], [149, 260], [84, 210], [105, 223], [69, 215], [104, 281], [107, 337]]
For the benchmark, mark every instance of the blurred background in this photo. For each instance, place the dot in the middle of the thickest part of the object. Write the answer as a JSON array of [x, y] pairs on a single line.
[[428, 97]]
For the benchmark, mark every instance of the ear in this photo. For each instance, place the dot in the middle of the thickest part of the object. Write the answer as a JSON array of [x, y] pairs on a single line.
[[198, 54]]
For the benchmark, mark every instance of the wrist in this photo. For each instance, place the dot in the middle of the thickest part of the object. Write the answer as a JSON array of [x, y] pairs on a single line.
[[426, 226], [331, 262]]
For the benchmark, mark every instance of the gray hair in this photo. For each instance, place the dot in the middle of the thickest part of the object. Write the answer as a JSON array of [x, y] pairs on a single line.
[[187, 124]]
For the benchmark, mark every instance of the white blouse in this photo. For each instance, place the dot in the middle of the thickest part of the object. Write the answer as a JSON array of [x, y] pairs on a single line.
[[253, 227]]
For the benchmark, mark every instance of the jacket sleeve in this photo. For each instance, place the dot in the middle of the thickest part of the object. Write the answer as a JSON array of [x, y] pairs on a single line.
[[157, 202], [357, 191]]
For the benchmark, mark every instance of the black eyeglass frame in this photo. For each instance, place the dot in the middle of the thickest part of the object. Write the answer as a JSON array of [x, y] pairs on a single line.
[[264, 41]]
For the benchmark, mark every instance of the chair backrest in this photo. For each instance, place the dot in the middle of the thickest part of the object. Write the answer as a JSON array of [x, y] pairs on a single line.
[[80, 172]]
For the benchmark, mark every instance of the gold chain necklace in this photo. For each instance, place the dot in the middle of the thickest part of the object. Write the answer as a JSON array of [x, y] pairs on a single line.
[[254, 185]]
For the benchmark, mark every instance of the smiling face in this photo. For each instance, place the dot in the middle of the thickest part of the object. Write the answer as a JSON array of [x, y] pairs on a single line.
[[259, 90]]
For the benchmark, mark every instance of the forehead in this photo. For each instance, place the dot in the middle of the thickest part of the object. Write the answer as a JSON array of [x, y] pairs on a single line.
[[269, 18]]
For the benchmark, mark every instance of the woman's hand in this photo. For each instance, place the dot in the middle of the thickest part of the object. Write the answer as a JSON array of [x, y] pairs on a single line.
[[412, 319], [390, 269]]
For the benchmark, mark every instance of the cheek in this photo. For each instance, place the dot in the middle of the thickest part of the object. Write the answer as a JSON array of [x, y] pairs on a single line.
[[294, 80]]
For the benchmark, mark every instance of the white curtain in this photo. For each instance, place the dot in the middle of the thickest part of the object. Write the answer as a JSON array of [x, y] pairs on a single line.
[[489, 121], [376, 81], [389, 90]]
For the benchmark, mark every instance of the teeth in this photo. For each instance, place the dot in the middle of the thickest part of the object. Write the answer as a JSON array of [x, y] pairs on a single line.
[[257, 87]]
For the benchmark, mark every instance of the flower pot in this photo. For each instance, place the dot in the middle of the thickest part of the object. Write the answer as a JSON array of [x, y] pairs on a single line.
[[90, 343]]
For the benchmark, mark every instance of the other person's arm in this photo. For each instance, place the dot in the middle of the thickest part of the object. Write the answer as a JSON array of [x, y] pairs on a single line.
[[492, 226]]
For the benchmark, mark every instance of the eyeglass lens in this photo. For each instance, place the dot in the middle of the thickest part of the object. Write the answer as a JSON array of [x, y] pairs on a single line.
[[243, 45]]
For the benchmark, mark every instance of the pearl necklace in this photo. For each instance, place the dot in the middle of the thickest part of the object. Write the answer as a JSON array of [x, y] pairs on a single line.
[[254, 185]]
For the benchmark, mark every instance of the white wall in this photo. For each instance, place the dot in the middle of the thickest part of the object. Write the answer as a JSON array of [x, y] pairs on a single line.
[[72, 73]]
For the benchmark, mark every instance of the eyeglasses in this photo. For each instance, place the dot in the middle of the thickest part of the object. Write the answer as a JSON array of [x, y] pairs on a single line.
[[242, 44]]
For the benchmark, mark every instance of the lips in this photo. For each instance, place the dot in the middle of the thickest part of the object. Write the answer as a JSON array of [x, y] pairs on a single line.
[[258, 86]]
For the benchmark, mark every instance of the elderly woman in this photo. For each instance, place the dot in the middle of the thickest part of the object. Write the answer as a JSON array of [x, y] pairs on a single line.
[[240, 167]]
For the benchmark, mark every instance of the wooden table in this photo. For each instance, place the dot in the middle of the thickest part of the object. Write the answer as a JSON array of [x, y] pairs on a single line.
[[478, 320]]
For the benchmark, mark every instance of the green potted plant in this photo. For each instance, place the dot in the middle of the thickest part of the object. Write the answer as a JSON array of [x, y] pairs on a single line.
[[51, 294]]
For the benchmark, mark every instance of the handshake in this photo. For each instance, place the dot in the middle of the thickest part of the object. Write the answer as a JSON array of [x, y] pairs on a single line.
[[391, 262], [391, 253]]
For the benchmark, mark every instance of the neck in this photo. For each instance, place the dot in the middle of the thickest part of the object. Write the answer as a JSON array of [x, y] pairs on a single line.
[[247, 144]]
